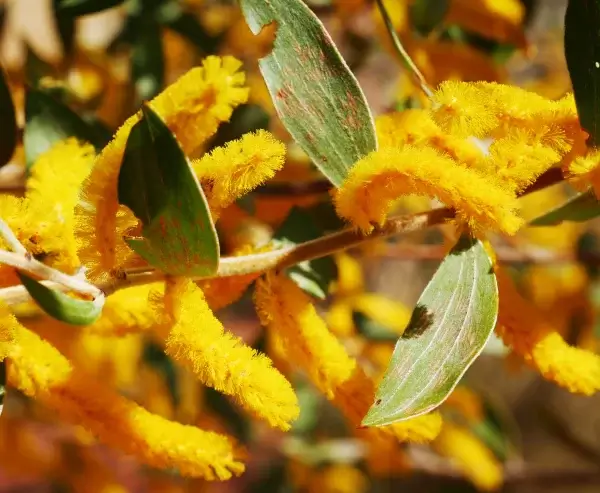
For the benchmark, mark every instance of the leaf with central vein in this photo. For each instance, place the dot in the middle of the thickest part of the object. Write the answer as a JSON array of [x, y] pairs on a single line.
[[316, 96], [450, 325], [157, 183], [578, 209]]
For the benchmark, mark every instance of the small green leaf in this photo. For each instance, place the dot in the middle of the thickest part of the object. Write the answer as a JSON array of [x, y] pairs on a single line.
[[426, 15], [316, 95], [372, 330], [77, 8], [157, 183], [7, 121], [581, 208], [450, 325], [48, 121], [313, 276], [147, 60], [582, 51], [60, 305]]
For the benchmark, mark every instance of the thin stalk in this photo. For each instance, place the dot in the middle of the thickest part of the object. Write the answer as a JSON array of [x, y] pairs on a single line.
[[410, 65], [11, 240]]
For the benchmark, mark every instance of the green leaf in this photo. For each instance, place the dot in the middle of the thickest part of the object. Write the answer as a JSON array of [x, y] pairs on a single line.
[[581, 208], [60, 305], [157, 183], [7, 121], [582, 51], [48, 121], [450, 325], [147, 60], [84, 7], [316, 96], [372, 330], [313, 276], [426, 15]]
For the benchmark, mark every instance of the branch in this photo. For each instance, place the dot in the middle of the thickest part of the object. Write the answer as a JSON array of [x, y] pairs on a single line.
[[286, 257]]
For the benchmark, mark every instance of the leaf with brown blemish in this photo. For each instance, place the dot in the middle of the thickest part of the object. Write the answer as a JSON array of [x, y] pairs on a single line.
[[157, 183], [451, 324], [316, 95]]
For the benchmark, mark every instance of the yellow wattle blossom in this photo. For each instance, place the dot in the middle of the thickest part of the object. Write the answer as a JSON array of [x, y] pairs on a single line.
[[519, 163], [221, 360], [126, 311], [231, 171], [115, 359], [41, 372], [43, 219], [379, 179], [284, 308], [524, 328], [416, 127], [475, 460], [192, 108], [586, 168], [224, 291], [8, 326]]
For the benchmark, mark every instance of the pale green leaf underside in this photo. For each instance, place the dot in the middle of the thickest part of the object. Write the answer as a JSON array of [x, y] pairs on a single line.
[[316, 95], [581, 208], [60, 305], [452, 321]]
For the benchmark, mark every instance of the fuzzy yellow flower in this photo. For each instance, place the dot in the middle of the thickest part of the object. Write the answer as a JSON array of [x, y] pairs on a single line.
[[231, 171], [192, 108], [40, 371], [127, 311], [524, 328], [8, 325], [284, 308], [221, 360], [378, 180]]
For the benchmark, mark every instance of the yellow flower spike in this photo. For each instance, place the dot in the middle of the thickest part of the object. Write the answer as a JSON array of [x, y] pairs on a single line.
[[231, 171], [587, 168], [115, 359], [339, 318], [284, 308], [350, 275], [475, 460], [127, 311], [221, 360], [43, 220], [518, 163], [192, 107], [400, 128], [415, 127], [8, 325], [38, 370], [385, 311], [523, 328], [378, 180], [464, 109]]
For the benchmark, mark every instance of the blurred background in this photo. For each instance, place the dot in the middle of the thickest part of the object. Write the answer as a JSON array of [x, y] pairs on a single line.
[[102, 65]]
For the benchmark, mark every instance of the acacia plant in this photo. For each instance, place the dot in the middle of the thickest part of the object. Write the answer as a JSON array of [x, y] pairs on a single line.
[[149, 233]]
